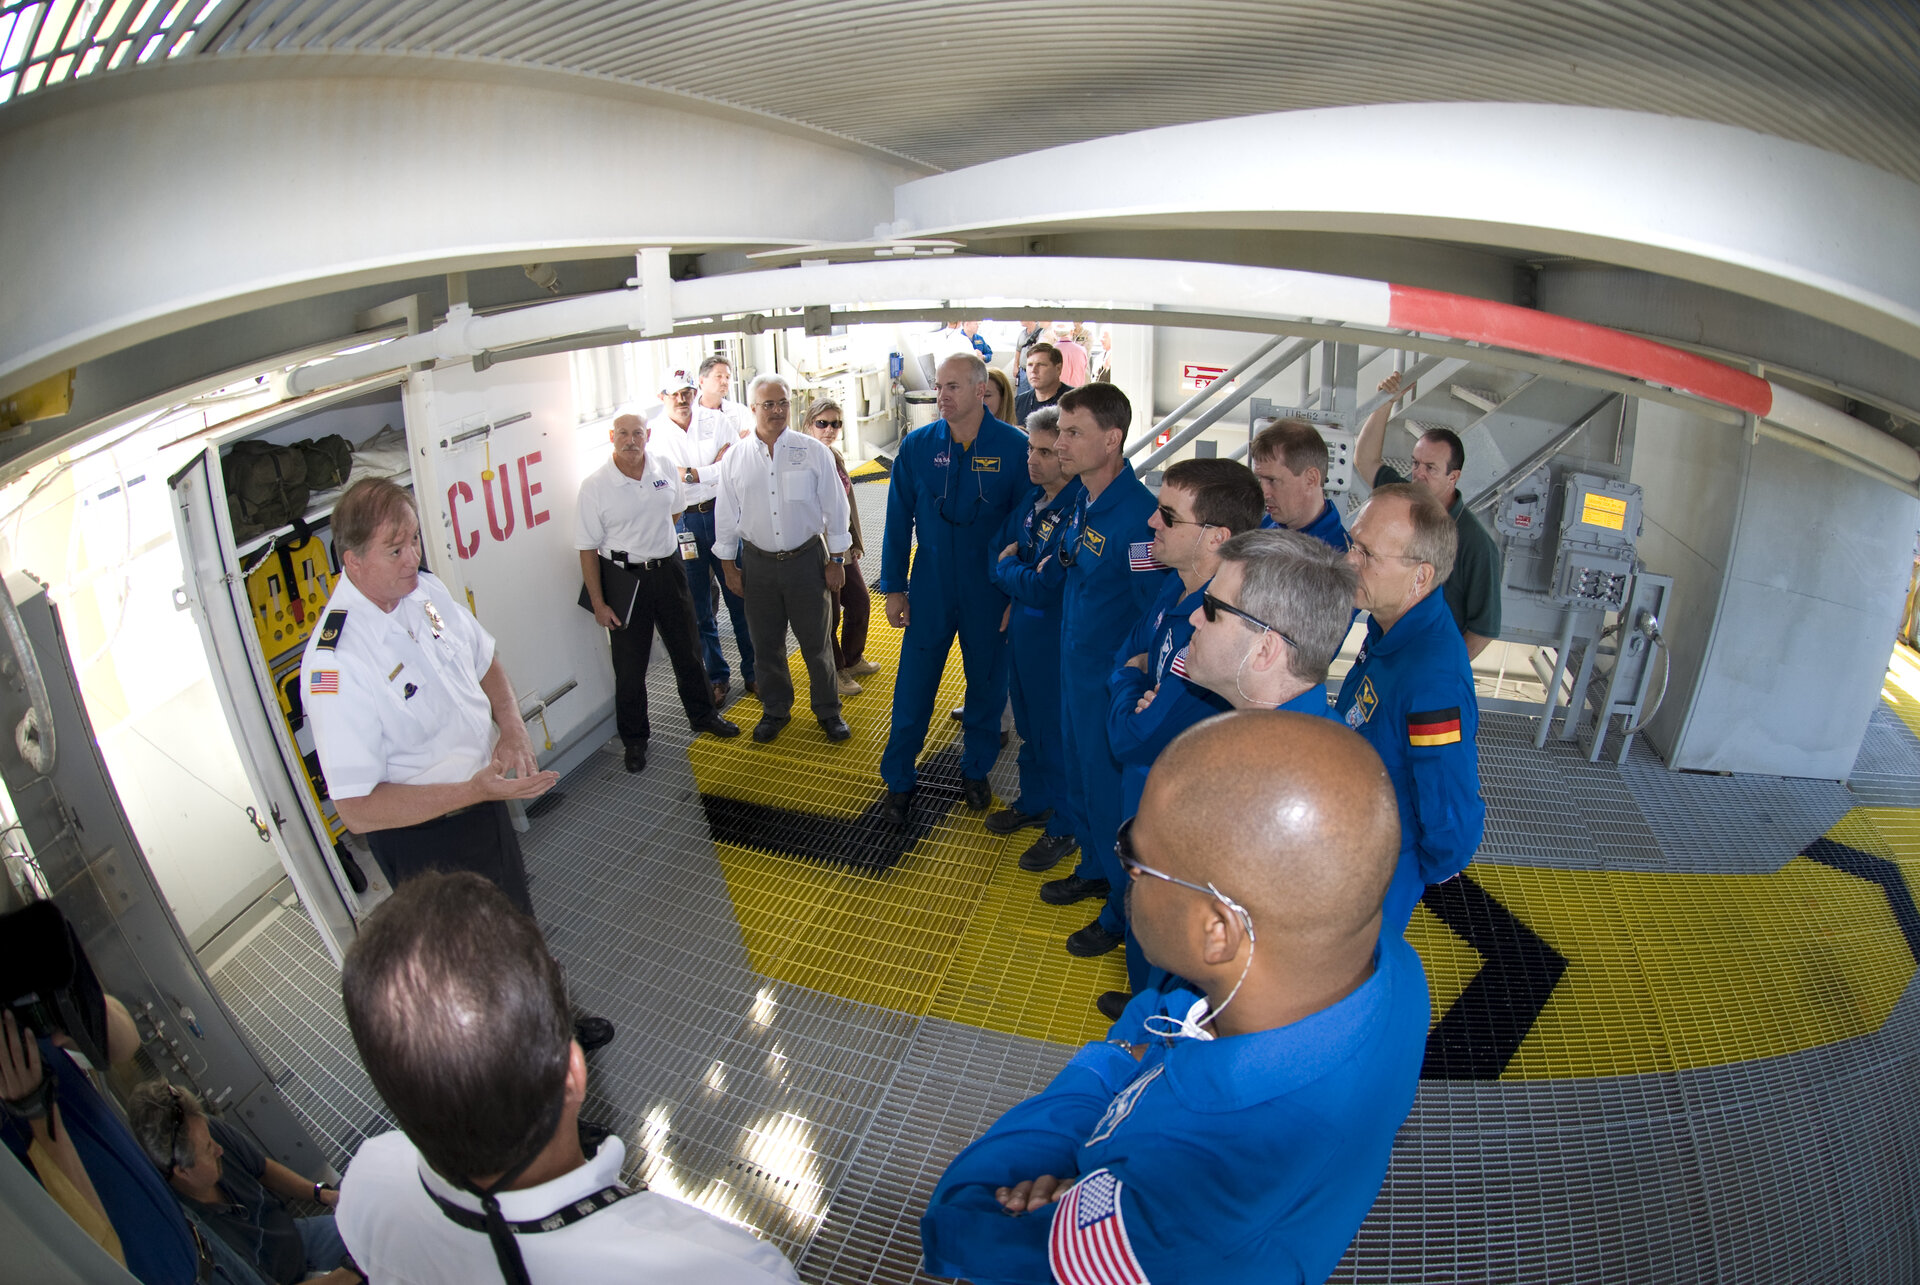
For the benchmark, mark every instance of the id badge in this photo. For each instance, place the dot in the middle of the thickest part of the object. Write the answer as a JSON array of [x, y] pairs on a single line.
[[689, 551]]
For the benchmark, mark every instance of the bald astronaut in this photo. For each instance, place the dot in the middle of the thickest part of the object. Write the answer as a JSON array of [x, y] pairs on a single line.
[[1240, 1133]]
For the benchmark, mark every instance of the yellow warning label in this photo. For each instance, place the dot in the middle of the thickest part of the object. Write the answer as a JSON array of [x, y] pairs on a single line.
[[1604, 510]]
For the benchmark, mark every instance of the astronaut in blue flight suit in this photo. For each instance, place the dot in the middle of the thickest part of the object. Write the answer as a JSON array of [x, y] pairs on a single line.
[[1410, 691], [1028, 571], [1290, 458], [1111, 582], [1239, 1134], [1267, 626], [1202, 504], [953, 483]]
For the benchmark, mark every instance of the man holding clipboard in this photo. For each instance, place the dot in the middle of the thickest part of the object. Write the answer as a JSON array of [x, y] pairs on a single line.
[[633, 584]]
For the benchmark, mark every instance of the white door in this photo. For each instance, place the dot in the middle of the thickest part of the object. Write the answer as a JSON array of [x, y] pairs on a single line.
[[506, 540]]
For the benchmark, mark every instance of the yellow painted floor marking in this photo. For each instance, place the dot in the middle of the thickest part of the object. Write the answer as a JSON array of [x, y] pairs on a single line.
[[1450, 962], [1902, 687]]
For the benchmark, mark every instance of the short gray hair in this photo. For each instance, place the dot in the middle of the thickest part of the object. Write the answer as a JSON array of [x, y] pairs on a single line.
[[151, 1110], [973, 363], [1300, 586], [1436, 536], [1044, 420], [761, 381]]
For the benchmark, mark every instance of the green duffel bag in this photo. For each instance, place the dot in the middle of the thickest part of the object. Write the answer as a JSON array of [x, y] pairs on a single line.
[[266, 486]]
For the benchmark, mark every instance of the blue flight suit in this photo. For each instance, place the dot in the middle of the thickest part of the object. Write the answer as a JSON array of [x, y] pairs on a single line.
[[1033, 646], [1410, 693], [956, 499], [1137, 739], [1253, 1158], [1104, 595], [982, 347], [1327, 528]]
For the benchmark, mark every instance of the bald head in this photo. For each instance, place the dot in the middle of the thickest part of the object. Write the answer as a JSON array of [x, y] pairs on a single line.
[[1292, 816]]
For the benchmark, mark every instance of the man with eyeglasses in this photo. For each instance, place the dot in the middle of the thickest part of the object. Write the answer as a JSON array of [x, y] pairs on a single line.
[[1029, 572], [779, 495], [1473, 586], [1203, 503], [1112, 580], [1290, 459], [1271, 623], [1410, 691], [953, 483], [1238, 1131]]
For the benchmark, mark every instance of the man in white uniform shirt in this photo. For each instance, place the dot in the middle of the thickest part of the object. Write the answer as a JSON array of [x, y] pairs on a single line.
[[416, 724], [779, 494], [669, 422], [459, 1014], [627, 510], [716, 422]]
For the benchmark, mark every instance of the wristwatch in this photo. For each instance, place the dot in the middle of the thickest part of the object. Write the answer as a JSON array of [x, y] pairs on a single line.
[[838, 558]]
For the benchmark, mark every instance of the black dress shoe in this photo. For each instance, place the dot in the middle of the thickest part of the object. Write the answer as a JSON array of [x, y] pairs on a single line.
[[897, 810], [1093, 940], [720, 691], [636, 758], [592, 1032], [718, 726], [976, 792], [836, 728], [1112, 1003], [752, 690], [1048, 851], [957, 712], [591, 1136], [1007, 820], [1064, 892], [768, 727]]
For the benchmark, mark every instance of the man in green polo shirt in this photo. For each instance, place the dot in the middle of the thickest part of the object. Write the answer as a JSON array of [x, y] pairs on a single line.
[[1473, 589]]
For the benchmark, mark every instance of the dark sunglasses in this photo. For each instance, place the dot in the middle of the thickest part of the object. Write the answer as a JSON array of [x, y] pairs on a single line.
[[1131, 863], [1212, 607], [826, 423], [1168, 518]]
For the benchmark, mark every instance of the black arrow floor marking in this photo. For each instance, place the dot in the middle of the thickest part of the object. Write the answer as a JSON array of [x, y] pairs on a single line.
[[865, 843], [1480, 1033], [1878, 870]]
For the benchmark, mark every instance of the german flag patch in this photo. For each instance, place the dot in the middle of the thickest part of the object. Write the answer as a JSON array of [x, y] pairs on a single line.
[[1434, 727]]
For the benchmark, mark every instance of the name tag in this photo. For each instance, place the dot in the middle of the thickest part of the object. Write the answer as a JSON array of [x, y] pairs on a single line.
[[1093, 541], [797, 455], [986, 463]]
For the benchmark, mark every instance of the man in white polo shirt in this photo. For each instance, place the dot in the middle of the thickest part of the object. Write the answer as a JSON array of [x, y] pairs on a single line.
[[627, 510], [717, 423]]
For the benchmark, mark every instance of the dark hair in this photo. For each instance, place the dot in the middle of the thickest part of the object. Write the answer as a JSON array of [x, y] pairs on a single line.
[[369, 504], [1225, 492], [1108, 405], [1456, 450], [718, 359], [1294, 442], [460, 1016], [1048, 351]]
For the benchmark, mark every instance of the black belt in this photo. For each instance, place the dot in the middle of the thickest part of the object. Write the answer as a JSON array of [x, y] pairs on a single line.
[[705, 506], [620, 559], [781, 557], [565, 1216]]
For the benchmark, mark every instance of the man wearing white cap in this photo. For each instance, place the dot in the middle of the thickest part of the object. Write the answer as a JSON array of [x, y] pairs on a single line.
[[709, 429]]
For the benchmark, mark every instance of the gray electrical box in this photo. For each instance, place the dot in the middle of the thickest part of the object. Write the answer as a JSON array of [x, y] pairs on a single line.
[[1599, 526], [1522, 512], [1333, 431]]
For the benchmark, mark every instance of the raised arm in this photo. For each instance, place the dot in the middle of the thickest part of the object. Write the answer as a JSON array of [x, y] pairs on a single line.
[[1368, 448]]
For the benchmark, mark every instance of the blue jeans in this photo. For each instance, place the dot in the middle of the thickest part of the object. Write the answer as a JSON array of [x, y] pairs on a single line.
[[702, 573], [325, 1249]]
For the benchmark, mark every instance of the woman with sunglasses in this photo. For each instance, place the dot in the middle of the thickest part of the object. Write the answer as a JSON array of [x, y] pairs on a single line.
[[853, 605]]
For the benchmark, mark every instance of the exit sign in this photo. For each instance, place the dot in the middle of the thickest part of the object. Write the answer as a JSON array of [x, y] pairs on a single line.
[[1197, 377]]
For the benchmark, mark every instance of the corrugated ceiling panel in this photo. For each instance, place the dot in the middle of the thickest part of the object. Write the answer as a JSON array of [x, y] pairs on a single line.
[[953, 85]]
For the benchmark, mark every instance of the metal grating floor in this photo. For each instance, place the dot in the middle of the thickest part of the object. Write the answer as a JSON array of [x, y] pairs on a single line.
[[822, 1122]]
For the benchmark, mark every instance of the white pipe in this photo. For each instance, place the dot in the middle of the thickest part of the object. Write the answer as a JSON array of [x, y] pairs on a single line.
[[1208, 288], [1823, 423]]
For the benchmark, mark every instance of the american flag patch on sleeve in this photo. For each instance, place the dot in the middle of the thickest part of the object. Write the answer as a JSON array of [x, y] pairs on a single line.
[[1140, 557], [1179, 663], [1434, 727], [324, 680], [1088, 1244]]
